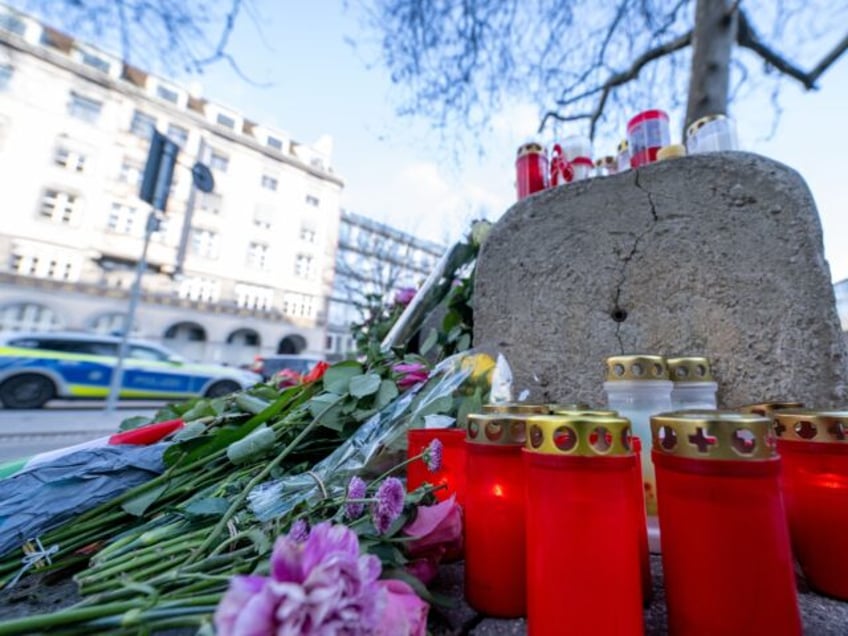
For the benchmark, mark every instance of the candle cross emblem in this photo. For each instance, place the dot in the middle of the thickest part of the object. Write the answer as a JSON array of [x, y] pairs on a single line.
[[702, 440]]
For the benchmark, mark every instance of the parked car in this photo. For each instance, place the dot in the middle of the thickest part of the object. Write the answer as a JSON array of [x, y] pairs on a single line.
[[269, 366], [38, 367]]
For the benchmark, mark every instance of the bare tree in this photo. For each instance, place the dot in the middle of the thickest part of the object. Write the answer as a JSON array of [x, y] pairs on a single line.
[[459, 61], [191, 33]]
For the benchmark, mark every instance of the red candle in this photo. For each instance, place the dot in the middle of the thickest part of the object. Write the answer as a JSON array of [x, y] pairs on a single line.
[[638, 500], [583, 554], [726, 556], [531, 169], [814, 448], [494, 515], [451, 474]]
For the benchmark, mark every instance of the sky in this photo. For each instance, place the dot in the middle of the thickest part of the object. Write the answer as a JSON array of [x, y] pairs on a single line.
[[399, 170]]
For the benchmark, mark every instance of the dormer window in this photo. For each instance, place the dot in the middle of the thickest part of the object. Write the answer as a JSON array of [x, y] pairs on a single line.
[[163, 92], [225, 121], [96, 62], [276, 144]]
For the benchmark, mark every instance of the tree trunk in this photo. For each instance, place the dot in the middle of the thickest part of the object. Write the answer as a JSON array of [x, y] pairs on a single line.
[[712, 43]]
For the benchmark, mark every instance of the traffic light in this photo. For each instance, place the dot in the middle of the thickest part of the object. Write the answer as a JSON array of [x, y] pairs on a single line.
[[159, 171]]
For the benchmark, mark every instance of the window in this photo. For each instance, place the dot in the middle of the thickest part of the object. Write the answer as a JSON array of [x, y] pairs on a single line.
[[84, 108], [210, 202], [163, 92], [204, 243], [263, 215], [142, 124], [177, 134], [68, 159], [225, 121], [257, 255], [304, 266], [46, 263], [312, 200], [219, 162], [298, 305], [28, 317], [95, 61], [308, 234], [200, 289], [13, 24], [269, 183], [140, 352], [276, 144], [131, 172], [124, 219], [254, 297], [59, 207], [5, 76]]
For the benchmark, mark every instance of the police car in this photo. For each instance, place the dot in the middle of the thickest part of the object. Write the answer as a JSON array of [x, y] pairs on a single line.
[[37, 367]]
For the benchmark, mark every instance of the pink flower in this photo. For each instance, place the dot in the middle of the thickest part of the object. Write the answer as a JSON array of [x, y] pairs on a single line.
[[437, 532], [286, 378], [389, 504], [405, 614], [320, 586], [356, 489], [433, 455], [425, 570], [404, 296], [410, 374]]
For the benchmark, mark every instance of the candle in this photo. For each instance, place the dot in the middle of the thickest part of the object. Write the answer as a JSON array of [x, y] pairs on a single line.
[[814, 448], [583, 555], [494, 515], [726, 557], [451, 474], [515, 408], [694, 387], [638, 501], [769, 408]]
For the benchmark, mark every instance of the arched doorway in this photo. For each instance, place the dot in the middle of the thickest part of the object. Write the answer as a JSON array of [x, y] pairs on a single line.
[[292, 344], [188, 339], [242, 347], [29, 317]]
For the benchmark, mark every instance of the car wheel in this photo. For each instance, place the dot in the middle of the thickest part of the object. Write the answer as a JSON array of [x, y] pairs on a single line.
[[224, 387], [26, 391]]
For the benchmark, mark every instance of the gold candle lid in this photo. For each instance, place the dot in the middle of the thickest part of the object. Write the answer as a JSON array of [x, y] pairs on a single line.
[[580, 412], [700, 123], [672, 151], [622, 146], [530, 148], [711, 435], [579, 435], [690, 369], [768, 408], [516, 408], [568, 406], [807, 425], [636, 367], [496, 429]]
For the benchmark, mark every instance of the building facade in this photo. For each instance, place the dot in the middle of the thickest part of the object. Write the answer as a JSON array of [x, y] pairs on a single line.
[[244, 270], [840, 290], [372, 259]]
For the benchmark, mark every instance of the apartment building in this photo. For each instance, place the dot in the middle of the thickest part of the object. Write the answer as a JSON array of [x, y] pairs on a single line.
[[243, 270]]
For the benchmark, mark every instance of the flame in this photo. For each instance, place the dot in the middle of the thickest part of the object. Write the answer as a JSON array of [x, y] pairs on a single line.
[[497, 490]]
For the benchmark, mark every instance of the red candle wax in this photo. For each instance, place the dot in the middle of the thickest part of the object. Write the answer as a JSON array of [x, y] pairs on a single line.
[[451, 474], [726, 557], [531, 169], [638, 500], [814, 449], [583, 553], [494, 515]]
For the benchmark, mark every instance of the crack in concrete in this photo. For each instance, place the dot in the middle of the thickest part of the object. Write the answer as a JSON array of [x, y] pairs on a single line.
[[626, 261]]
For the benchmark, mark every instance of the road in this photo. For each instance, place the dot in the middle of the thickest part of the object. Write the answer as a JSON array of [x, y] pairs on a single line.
[[26, 433]]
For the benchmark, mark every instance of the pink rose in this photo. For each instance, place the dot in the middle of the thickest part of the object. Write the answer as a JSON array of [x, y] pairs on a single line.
[[437, 532], [404, 613], [410, 374], [404, 295]]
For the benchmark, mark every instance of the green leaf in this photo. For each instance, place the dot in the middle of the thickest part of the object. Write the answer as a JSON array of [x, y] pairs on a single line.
[[251, 403], [451, 320], [471, 404], [142, 501], [388, 392], [134, 422], [202, 409], [443, 404], [213, 506], [260, 540], [430, 341], [364, 385], [332, 417], [337, 378], [259, 441], [464, 342], [190, 431]]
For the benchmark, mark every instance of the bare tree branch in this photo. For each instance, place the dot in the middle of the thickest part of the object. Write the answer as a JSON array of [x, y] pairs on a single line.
[[618, 79], [747, 38]]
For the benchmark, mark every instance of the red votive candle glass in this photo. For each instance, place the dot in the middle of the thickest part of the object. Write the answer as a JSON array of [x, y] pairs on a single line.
[[494, 515], [726, 557], [814, 448], [583, 571], [531, 169], [638, 500], [451, 474]]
